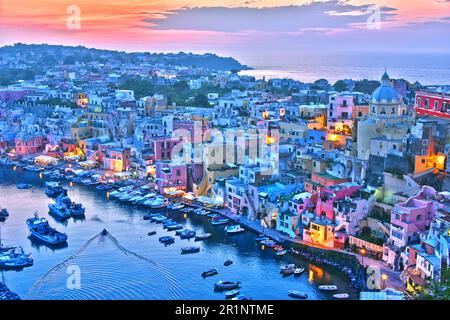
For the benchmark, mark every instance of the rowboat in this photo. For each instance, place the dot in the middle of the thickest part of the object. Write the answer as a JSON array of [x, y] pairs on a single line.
[[297, 294]]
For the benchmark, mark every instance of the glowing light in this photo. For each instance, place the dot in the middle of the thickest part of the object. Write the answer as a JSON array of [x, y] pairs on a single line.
[[185, 215], [384, 276], [71, 183]]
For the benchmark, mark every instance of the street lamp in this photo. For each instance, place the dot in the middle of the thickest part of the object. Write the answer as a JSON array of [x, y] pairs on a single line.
[[384, 277], [363, 253]]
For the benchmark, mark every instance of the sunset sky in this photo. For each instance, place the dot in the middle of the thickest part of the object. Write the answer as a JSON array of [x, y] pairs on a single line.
[[233, 27]]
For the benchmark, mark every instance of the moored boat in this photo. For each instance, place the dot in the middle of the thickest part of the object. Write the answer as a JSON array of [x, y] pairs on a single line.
[[232, 293], [174, 227], [210, 272], [328, 287], [341, 296], [41, 230], [187, 234], [242, 297], [287, 267], [226, 285], [201, 237], [297, 294], [190, 250], [14, 258], [281, 252], [228, 263], [219, 221], [234, 229], [59, 211], [4, 214], [24, 186], [298, 271]]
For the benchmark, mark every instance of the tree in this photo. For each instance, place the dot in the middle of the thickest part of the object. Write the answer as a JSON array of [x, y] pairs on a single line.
[[435, 290], [340, 86], [201, 100]]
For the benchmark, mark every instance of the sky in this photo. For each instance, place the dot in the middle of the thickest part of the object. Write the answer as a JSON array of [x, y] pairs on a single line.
[[239, 28]]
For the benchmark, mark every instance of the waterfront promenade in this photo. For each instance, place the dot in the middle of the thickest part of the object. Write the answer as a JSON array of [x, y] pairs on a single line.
[[393, 277]]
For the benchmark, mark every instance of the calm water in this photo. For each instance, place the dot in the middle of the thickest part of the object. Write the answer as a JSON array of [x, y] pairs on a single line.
[[427, 68], [138, 266]]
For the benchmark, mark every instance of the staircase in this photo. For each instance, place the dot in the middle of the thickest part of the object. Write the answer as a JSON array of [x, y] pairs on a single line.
[[252, 211]]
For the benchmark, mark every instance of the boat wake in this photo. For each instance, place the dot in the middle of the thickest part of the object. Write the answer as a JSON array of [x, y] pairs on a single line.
[[105, 274]]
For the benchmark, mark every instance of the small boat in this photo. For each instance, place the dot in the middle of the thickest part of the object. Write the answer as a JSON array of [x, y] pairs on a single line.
[[187, 234], [341, 296], [149, 216], [54, 189], [190, 250], [228, 263], [268, 242], [226, 285], [151, 233], [210, 272], [328, 287], [167, 240], [213, 215], [24, 186], [234, 229], [219, 221], [174, 227], [201, 237], [59, 211], [4, 213], [159, 203], [297, 294], [298, 271], [282, 252], [231, 294], [242, 297], [261, 238], [287, 272], [177, 207], [41, 230], [14, 258], [287, 267]]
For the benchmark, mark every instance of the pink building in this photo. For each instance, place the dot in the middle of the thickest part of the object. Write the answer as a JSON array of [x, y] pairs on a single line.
[[408, 220], [162, 147], [328, 196], [171, 176], [29, 144], [12, 95]]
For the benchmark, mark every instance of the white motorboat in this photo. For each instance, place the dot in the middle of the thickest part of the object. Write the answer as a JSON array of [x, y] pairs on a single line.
[[341, 296], [328, 287]]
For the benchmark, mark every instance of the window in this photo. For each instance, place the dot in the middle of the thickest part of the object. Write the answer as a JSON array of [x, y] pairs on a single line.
[[426, 103], [419, 100]]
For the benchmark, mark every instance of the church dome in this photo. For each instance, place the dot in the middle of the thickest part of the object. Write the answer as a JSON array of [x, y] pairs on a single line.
[[385, 94]]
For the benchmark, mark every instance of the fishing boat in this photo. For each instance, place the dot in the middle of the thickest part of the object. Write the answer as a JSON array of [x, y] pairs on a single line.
[[54, 189], [210, 272], [328, 287], [228, 263], [341, 296], [24, 186], [234, 229], [14, 258], [213, 215], [76, 209], [59, 211], [226, 285], [231, 294], [159, 203], [178, 232], [201, 237], [41, 230], [298, 271], [297, 294], [151, 233], [281, 252], [190, 250], [219, 221]]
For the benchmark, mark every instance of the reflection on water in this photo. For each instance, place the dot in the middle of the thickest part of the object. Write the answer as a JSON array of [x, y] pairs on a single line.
[[144, 269]]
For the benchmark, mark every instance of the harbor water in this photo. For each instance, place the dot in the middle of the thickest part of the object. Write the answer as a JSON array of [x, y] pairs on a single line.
[[128, 264]]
